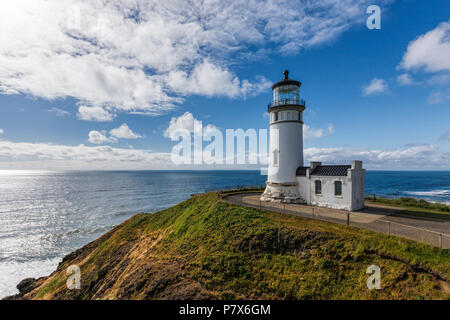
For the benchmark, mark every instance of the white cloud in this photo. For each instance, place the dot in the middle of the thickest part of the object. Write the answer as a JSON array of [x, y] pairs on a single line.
[[376, 86], [405, 80], [97, 137], [94, 114], [51, 156], [59, 112], [1, 131], [430, 51], [186, 122], [144, 56], [309, 132], [183, 122], [124, 132], [413, 157], [210, 80]]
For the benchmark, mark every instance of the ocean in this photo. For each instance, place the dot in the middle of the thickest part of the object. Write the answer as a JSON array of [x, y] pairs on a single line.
[[46, 215]]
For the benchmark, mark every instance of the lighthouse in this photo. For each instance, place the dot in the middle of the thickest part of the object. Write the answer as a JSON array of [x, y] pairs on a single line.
[[289, 181], [285, 142]]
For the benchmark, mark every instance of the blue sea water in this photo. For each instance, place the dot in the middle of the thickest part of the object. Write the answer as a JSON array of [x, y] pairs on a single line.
[[46, 215]]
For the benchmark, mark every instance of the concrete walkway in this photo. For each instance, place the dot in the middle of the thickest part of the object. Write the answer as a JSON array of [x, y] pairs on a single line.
[[378, 218]]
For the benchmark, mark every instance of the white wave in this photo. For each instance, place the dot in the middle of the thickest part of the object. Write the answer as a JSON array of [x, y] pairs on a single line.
[[432, 193]]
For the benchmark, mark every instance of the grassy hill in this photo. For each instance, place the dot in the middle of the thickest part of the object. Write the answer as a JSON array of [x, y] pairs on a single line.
[[207, 249], [415, 207]]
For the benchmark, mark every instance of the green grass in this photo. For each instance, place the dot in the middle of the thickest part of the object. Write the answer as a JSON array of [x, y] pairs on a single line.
[[416, 207], [206, 248], [242, 190]]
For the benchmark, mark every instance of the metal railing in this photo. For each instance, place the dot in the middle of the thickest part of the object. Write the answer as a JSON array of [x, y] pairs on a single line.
[[235, 188], [438, 239], [283, 102]]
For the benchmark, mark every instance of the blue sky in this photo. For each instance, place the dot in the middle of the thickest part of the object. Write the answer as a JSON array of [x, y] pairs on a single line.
[[83, 97]]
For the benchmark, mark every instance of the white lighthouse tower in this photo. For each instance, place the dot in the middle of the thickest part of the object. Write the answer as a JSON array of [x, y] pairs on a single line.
[[286, 142]]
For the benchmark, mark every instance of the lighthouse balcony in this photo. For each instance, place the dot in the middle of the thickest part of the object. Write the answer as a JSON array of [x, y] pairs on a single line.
[[286, 102]]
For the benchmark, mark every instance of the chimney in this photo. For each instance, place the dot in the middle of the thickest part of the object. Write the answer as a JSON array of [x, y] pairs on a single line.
[[357, 165], [314, 164]]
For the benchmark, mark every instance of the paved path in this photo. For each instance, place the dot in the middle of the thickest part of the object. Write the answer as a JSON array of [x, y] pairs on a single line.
[[378, 218]]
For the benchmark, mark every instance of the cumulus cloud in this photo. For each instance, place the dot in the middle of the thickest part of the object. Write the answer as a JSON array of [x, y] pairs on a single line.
[[430, 51], [144, 56], [1, 131], [211, 80], [97, 137], [185, 123], [309, 132], [376, 86], [124, 132], [94, 114]]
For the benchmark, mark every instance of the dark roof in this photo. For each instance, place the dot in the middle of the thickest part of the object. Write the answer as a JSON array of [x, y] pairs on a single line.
[[286, 81], [338, 170], [301, 171]]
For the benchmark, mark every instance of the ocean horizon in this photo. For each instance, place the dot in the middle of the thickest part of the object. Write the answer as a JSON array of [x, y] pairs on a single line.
[[45, 215]]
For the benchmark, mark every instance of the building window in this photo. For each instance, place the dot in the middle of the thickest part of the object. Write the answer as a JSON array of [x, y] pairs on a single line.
[[288, 116], [318, 187], [338, 188], [275, 116]]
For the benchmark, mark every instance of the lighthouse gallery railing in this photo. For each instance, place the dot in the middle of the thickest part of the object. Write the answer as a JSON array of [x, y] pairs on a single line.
[[284, 102]]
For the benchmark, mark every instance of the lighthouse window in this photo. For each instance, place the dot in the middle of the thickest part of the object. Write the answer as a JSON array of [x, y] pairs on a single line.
[[318, 187], [276, 116], [338, 188], [288, 116], [288, 94], [275, 158]]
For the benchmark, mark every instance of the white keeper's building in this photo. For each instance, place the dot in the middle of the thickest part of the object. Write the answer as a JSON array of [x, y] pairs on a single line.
[[332, 186]]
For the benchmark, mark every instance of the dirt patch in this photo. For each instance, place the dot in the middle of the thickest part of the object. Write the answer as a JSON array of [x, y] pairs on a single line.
[[445, 286], [283, 239]]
